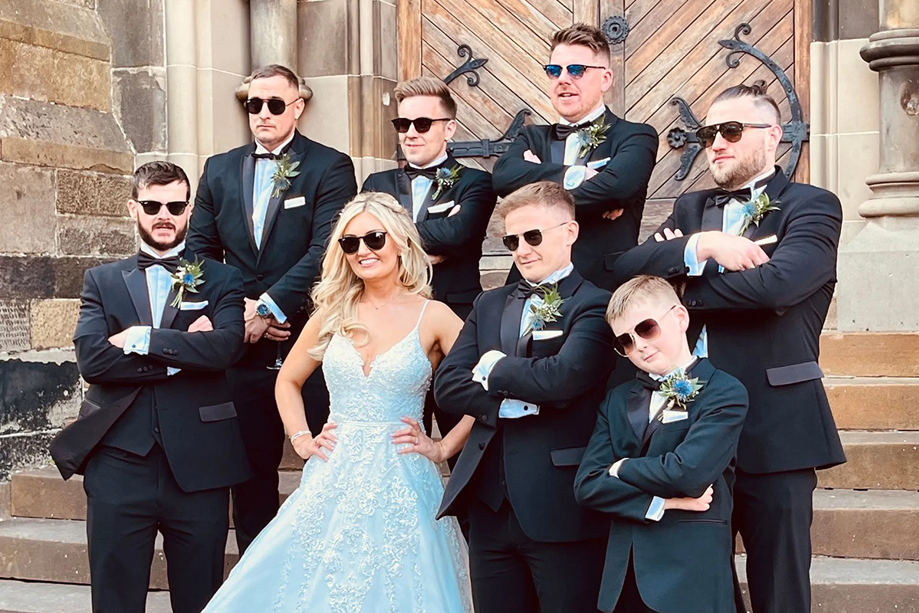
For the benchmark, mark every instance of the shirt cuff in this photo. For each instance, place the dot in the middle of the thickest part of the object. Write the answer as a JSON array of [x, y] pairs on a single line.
[[275, 310], [614, 469], [137, 340], [482, 370], [656, 510], [515, 409], [574, 176], [691, 259], [171, 371]]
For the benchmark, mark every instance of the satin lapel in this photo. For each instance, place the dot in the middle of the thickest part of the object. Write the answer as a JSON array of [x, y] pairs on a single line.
[[247, 184], [637, 406], [169, 311], [510, 323], [556, 150], [773, 189], [653, 427], [275, 204], [404, 191], [428, 201], [524, 345], [136, 282]]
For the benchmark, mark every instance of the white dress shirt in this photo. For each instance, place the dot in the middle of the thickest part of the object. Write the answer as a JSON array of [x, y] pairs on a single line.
[[422, 185], [575, 175]]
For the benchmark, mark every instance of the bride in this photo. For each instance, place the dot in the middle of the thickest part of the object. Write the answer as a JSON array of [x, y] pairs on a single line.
[[359, 534]]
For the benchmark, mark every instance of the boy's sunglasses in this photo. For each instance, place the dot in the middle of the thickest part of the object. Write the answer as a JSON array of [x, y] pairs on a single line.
[[648, 329], [532, 237], [575, 70], [731, 131], [422, 124], [152, 207], [276, 106], [373, 240]]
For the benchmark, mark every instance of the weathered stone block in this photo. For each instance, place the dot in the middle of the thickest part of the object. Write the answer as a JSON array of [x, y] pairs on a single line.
[[137, 35], [53, 323], [68, 274], [85, 193], [14, 326], [40, 73], [23, 451], [27, 202], [96, 236], [35, 132], [140, 106], [37, 277], [65, 27], [37, 396], [870, 354]]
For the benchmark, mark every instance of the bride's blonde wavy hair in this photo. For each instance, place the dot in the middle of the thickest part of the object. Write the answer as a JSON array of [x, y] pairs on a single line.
[[339, 290]]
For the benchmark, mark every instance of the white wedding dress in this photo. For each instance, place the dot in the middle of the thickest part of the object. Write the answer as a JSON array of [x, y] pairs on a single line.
[[359, 534]]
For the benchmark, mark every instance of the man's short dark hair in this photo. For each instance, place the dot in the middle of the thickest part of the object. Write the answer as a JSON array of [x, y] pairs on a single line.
[[158, 173], [584, 35], [276, 70], [546, 194], [758, 93]]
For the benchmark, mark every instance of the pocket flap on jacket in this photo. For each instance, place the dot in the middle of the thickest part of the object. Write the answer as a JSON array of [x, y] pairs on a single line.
[[567, 457], [793, 373], [216, 412], [609, 260]]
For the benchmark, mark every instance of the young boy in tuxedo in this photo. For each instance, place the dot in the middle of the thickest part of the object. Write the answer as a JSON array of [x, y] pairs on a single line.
[[661, 463]]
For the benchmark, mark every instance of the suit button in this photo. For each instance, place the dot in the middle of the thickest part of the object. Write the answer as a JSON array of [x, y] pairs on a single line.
[[260, 277], [140, 369], [482, 446], [156, 429], [506, 394], [483, 417], [503, 483], [166, 351], [673, 270]]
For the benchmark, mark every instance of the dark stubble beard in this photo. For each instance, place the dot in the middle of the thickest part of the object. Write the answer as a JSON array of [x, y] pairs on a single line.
[[149, 240], [742, 172]]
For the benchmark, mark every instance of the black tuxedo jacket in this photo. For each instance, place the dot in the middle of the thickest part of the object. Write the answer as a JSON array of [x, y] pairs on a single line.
[[683, 562], [132, 402], [764, 324], [294, 236], [456, 280], [621, 184], [564, 375]]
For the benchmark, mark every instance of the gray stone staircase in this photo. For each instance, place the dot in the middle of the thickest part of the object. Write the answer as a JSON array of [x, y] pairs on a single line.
[[865, 531]]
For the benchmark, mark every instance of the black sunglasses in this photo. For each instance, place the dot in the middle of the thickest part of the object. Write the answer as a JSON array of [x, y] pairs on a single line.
[[575, 70], [276, 106], [648, 329], [731, 131], [532, 237], [374, 241], [422, 124], [152, 207]]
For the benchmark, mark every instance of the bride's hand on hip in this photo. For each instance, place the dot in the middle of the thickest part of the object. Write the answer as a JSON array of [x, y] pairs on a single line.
[[417, 441], [308, 446]]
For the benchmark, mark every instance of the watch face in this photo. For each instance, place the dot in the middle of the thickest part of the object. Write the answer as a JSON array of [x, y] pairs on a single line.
[[263, 310]]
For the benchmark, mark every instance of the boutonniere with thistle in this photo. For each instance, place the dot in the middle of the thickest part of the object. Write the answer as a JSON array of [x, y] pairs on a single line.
[[284, 171], [445, 178], [545, 310], [187, 277], [592, 136], [756, 209], [680, 390]]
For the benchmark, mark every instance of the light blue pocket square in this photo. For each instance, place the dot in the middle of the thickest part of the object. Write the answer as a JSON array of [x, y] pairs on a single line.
[[192, 306]]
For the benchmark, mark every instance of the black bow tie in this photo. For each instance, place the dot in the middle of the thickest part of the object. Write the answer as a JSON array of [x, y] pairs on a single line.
[[562, 131], [647, 382], [266, 156], [429, 173], [723, 197], [525, 289], [145, 261]]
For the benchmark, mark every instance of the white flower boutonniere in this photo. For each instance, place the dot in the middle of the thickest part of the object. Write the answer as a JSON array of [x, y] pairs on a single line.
[[283, 173], [547, 310], [186, 277], [755, 210], [592, 136], [445, 179], [680, 390]]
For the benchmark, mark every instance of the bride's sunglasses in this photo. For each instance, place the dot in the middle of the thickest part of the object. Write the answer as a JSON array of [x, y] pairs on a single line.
[[648, 329], [373, 240]]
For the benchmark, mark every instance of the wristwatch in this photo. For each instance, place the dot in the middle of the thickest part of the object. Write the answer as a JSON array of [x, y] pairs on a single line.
[[263, 311]]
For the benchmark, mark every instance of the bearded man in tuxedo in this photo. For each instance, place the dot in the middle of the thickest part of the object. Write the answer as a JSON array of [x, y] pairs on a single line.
[[266, 208]]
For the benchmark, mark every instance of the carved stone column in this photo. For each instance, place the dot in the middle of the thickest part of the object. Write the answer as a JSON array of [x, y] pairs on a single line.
[[273, 38], [879, 268]]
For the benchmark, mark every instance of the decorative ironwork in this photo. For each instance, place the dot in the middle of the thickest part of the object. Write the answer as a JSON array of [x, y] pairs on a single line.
[[796, 131], [486, 148], [616, 29], [470, 66]]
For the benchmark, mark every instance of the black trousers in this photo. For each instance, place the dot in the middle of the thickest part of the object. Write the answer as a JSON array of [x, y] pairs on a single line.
[[512, 573], [773, 513], [255, 502], [630, 598], [129, 499]]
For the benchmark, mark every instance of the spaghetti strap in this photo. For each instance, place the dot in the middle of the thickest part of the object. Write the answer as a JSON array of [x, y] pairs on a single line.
[[421, 316]]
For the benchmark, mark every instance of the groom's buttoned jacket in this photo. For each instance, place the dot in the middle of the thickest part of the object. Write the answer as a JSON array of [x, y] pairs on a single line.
[[286, 261], [133, 403], [682, 563], [763, 325], [530, 460]]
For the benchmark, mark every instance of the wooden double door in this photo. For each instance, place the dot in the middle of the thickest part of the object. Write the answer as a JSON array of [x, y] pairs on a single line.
[[671, 49]]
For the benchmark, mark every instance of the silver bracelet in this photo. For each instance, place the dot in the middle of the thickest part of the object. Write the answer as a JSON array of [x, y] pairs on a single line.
[[297, 435]]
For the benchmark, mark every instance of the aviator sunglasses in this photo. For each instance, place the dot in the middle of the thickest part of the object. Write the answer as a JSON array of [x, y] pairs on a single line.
[[276, 106], [422, 124], [576, 71], [731, 131], [152, 207], [648, 329], [374, 241], [532, 237]]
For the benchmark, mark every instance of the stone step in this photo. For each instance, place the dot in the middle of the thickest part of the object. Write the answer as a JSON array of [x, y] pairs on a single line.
[[840, 585], [26, 597], [870, 354], [876, 461], [874, 403]]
